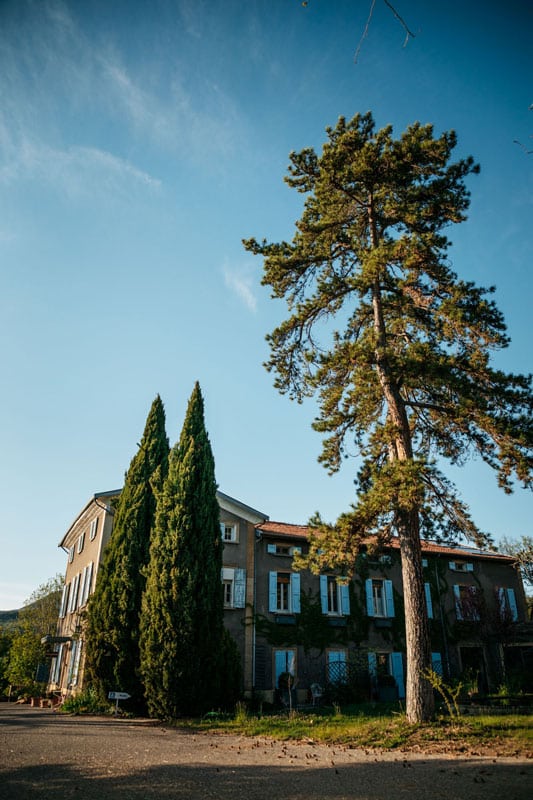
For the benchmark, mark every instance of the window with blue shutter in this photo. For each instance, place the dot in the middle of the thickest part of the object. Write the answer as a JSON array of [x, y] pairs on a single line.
[[369, 598], [389, 598], [373, 665], [273, 591], [396, 670], [508, 607], [344, 591], [429, 604], [436, 664], [458, 606], [239, 588], [295, 593]]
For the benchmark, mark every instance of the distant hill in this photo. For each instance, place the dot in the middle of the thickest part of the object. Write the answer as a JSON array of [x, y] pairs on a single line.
[[8, 618]]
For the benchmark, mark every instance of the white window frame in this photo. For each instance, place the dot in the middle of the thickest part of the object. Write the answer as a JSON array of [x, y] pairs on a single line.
[[81, 542], [283, 550], [334, 596], [233, 529], [290, 605], [93, 529], [71, 554], [379, 606], [234, 583], [64, 601]]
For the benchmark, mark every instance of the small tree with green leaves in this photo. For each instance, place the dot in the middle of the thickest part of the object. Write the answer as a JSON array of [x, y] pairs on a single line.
[[396, 347], [185, 651], [38, 618], [112, 635]]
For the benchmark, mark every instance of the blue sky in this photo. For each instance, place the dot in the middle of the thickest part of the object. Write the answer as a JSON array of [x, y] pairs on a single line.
[[139, 143]]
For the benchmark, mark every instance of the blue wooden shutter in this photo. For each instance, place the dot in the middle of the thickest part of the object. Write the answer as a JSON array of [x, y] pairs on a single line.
[[373, 665], [271, 548], [511, 599], [429, 604], [369, 599], [324, 593], [396, 669], [345, 599], [389, 598], [280, 664], [436, 663], [239, 588], [295, 592], [458, 608], [272, 591]]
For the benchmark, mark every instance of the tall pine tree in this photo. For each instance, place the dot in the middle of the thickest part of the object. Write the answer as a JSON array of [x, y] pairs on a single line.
[[396, 347], [112, 658], [184, 646]]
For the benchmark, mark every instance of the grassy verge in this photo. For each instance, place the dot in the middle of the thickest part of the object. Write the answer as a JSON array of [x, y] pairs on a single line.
[[497, 735]]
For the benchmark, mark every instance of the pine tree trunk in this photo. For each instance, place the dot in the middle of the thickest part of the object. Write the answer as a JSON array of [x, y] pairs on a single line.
[[419, 695]]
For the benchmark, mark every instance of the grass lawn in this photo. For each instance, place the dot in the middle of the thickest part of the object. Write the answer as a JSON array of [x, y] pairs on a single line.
[[366, 727]]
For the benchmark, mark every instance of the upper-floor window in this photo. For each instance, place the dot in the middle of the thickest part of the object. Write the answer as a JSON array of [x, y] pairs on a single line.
[[233, 587], [228, 531], [467, 602], [71, 554], [507, 604], [64, 600], [461, 566], [93, 529], [80, 542], [283, 550], [284, 592], [334, 596], [379, 598]]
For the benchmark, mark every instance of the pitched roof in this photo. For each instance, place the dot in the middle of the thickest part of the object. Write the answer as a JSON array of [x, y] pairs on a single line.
[[284, 529]]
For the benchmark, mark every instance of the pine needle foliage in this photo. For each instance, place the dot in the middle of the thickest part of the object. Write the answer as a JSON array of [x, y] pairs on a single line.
[[396, 347], [112, 660], [184, 648]]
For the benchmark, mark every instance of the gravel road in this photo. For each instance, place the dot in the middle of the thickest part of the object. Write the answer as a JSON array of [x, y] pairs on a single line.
[[47, 756]]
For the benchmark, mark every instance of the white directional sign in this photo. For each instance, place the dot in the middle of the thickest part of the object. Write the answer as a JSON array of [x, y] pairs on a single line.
[[118, 695]]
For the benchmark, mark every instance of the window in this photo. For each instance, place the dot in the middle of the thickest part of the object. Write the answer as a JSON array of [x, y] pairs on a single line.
[[80, 542], [337, 666], [228, 531], [234, 587], [74, 665], [429, 604], [85, 586], [461, 566], [284, 661], [284, 592], [64, 601], [93, 529], [73, 602], [379, 598], [56, 670], [70, 555], [283, 550], [467, 603], [334, 596], [381, 665], [507, 604]]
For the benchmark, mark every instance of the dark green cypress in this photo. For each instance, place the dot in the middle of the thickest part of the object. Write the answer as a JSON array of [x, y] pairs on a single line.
[[112, 660], [184, 647]]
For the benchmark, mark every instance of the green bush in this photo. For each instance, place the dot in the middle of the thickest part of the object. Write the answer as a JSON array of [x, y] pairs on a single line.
[[86, 702]]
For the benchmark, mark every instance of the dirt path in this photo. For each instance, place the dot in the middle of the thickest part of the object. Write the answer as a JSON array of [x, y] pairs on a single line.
[[45, 756]]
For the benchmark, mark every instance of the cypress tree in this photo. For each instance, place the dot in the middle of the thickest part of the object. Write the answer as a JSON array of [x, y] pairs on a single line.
[[112, 659], [184, 647]]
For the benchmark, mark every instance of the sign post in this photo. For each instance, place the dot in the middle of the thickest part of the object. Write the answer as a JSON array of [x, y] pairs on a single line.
[[118, 696]]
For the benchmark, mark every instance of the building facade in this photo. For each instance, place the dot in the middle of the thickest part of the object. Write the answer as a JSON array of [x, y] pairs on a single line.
[[323, 633]]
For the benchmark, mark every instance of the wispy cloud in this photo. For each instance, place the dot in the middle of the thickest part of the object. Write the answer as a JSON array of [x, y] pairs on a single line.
[[61, 90], [240, 280]]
